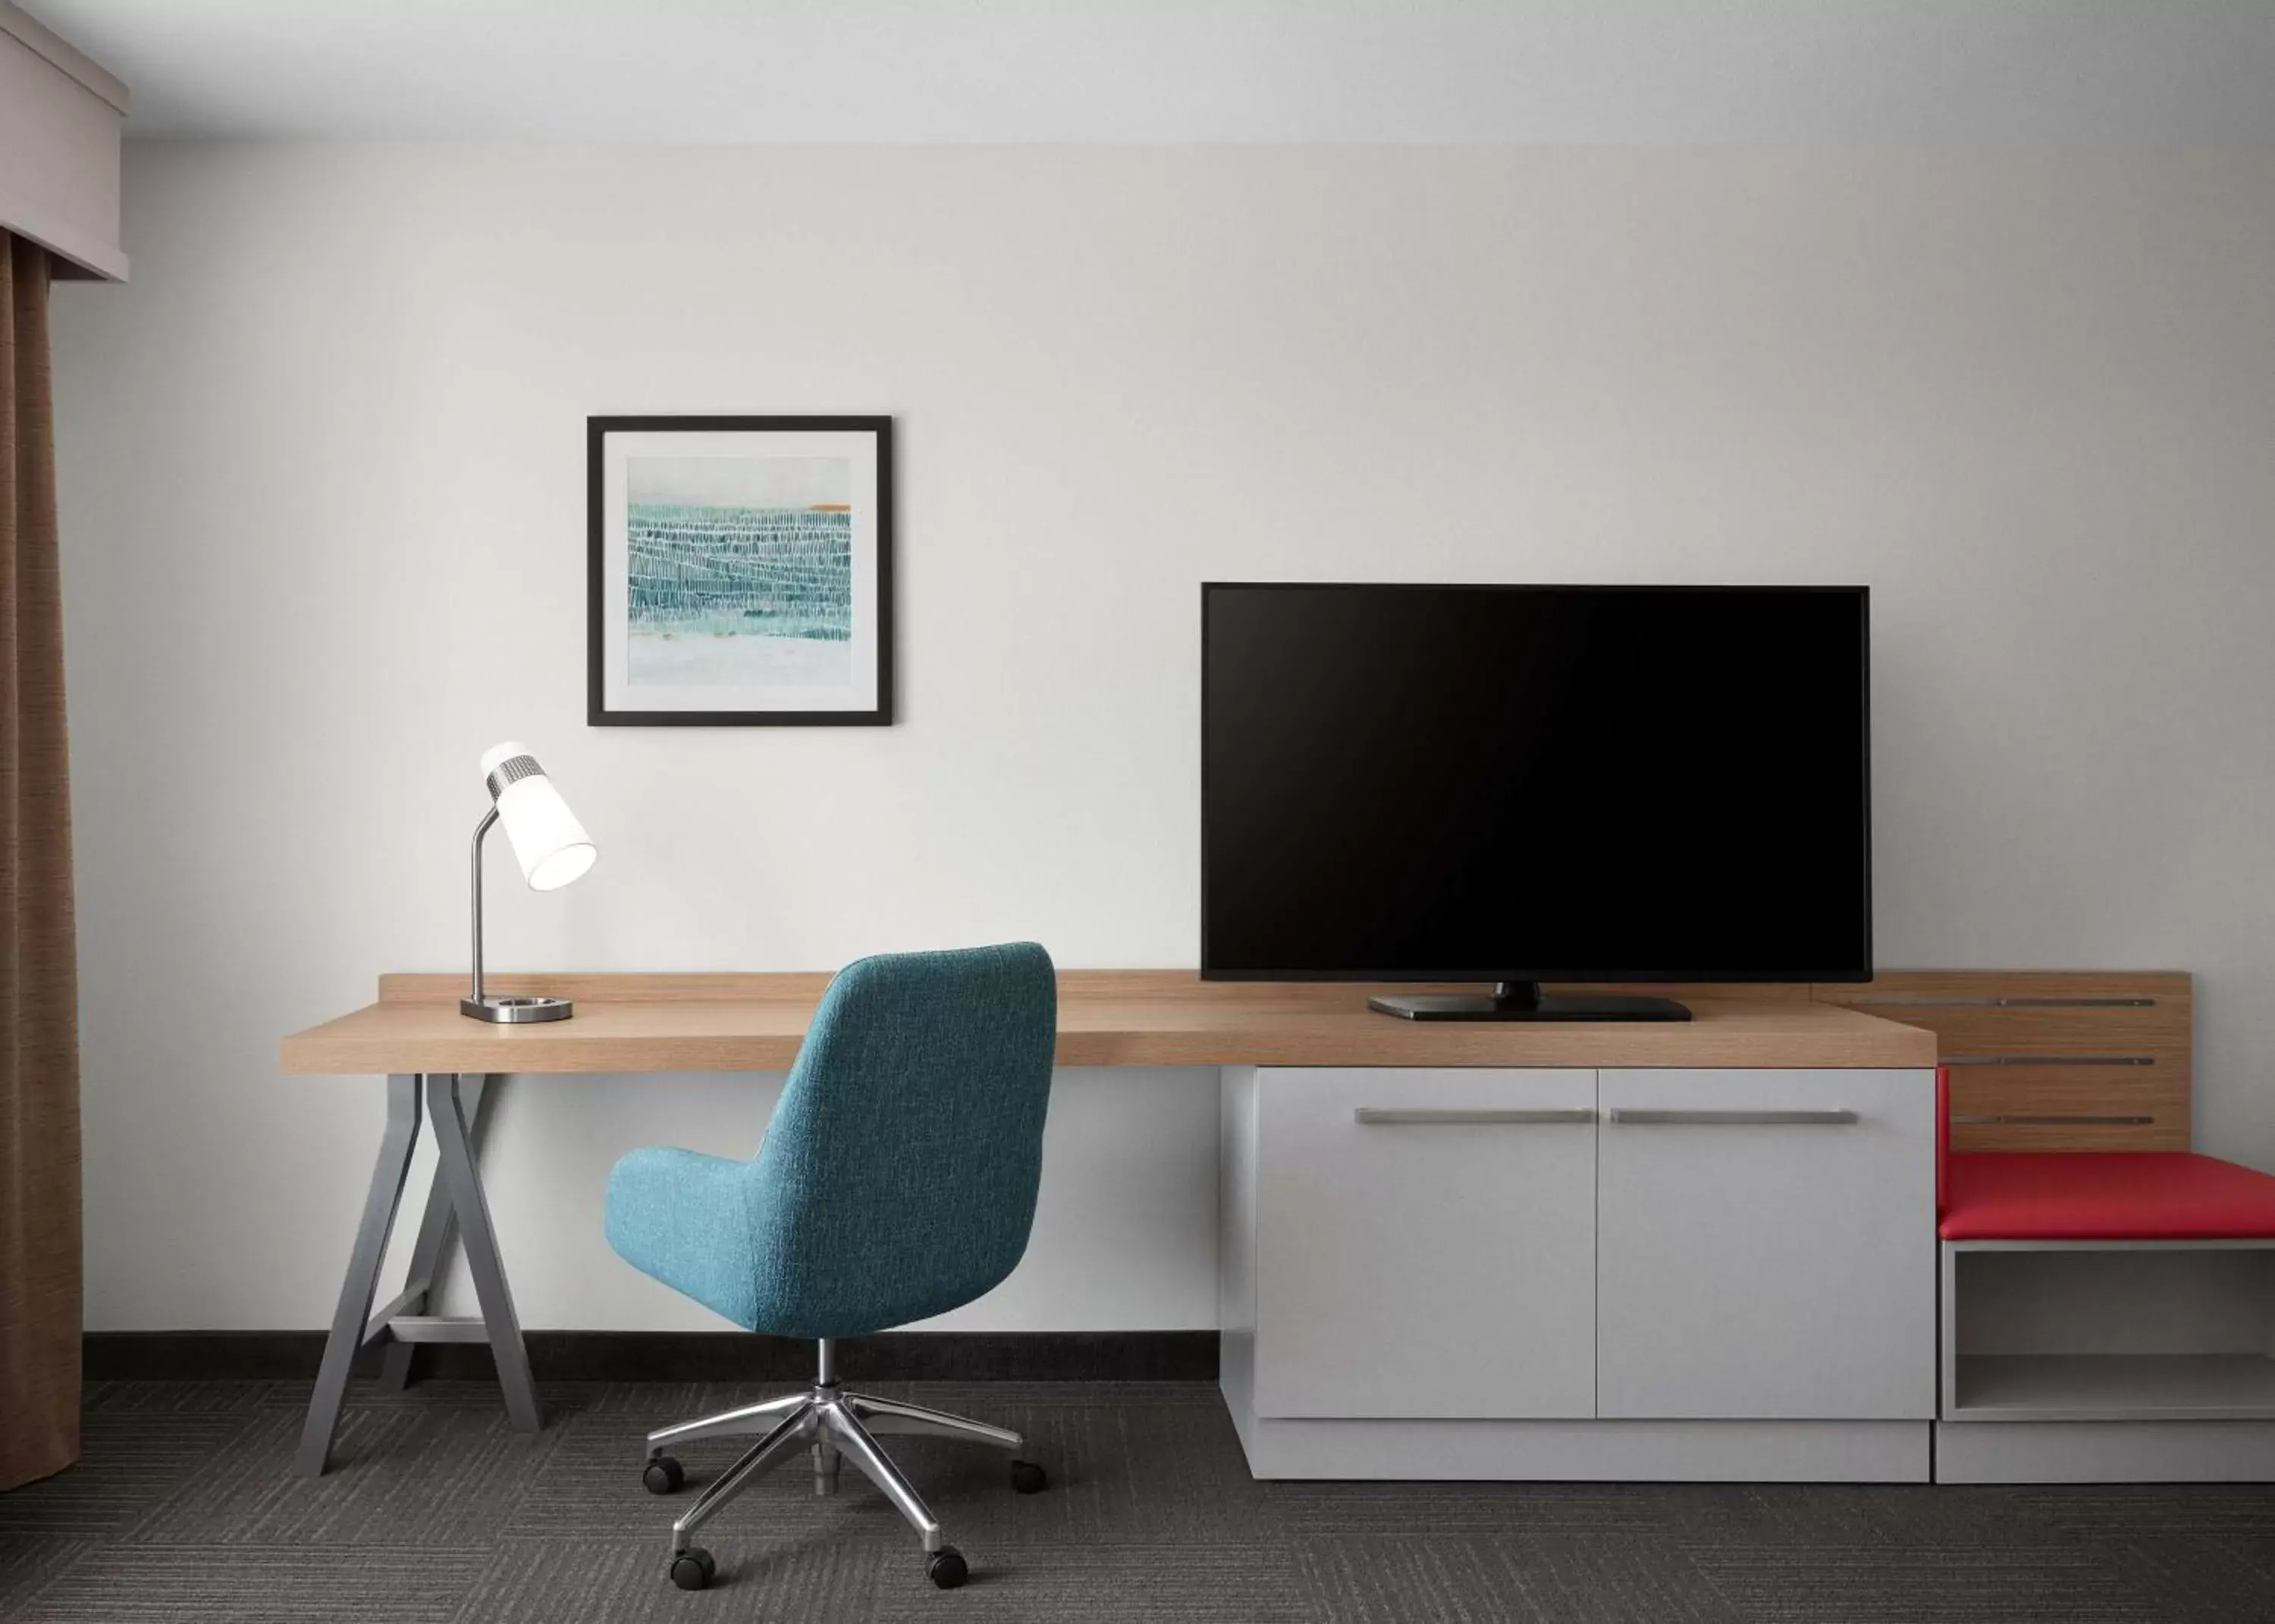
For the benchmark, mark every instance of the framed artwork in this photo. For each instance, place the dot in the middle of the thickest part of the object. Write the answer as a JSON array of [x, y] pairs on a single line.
[[740, 571]]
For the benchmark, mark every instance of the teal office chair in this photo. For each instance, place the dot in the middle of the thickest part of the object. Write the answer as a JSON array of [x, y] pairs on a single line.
[[896, 1181]]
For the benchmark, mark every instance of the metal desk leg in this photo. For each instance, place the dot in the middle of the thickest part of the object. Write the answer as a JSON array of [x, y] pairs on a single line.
[[362, 1282], [431, 1248], [465, 1185]]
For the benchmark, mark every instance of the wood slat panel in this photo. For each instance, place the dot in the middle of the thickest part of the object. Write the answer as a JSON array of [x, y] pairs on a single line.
[[2161, 1030], [1919, 986], [2069, 1090], [2060, 1035]]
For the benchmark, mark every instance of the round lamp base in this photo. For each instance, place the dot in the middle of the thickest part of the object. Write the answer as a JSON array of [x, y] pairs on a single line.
[[516, 1009]]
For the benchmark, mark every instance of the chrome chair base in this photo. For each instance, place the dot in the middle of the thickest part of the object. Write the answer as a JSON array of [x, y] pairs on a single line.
[[831, 1425]]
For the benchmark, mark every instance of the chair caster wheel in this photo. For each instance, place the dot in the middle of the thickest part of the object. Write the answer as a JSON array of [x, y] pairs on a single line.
[[945, 1567], [663, 1475], [1028, 1478], [692, 1569]]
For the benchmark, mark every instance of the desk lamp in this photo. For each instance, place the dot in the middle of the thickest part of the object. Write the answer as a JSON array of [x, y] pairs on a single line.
[[553, 850]]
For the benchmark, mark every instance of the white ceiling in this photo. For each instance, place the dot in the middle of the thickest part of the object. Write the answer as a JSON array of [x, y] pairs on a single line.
[[1969, 72]]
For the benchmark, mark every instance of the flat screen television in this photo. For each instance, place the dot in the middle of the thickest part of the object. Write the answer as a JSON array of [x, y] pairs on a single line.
[[1519, 784]]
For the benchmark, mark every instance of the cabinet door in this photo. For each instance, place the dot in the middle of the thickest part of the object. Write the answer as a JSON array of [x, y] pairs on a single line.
[[1766, 1245], [1425, 1242]]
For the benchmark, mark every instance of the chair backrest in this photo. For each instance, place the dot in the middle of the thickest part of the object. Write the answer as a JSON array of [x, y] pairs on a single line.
[[898, 1176]]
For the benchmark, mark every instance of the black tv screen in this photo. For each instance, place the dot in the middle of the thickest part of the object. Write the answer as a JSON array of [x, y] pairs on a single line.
[[1531, 784]]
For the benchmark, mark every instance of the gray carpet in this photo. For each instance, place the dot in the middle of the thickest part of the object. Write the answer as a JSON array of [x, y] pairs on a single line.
[[183, 1508]]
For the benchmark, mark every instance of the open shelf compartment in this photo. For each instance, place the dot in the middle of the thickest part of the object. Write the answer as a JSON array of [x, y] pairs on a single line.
[[2109, 1331]]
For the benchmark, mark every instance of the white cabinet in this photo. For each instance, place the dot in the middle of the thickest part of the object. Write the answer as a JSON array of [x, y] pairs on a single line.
[[1424, 1243], [1536, 1272], [1766, 1245]]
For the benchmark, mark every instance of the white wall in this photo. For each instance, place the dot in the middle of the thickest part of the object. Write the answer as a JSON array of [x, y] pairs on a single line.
[[323, 509]]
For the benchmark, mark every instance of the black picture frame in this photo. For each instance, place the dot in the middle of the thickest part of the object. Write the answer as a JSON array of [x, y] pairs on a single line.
[[598, 714]]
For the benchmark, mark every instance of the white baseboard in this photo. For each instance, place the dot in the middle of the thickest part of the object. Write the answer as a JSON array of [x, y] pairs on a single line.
[[1588, 1451]]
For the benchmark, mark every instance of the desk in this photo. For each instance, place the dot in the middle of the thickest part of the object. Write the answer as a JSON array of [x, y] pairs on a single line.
[[440, 1065]]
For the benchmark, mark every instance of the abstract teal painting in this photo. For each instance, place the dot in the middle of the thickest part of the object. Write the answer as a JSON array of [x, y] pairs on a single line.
[[741, 569], [740, 573]]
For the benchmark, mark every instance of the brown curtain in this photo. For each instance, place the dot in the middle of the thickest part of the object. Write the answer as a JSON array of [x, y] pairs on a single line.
[[39, 1014]]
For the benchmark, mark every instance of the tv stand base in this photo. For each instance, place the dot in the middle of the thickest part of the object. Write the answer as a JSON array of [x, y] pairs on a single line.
[[1523, 1001]]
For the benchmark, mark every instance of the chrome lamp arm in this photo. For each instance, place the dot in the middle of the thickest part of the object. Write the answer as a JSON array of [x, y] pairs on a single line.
[[512, 1010], [481, 830]]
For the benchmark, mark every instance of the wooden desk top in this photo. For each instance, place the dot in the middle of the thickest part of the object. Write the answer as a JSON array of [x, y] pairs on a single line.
[[1106, 1017]]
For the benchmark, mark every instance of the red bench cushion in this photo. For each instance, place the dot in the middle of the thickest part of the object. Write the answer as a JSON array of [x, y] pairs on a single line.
[[2103, 1195]]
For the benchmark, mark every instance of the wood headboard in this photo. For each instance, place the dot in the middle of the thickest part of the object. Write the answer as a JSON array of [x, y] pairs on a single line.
[[2049, 1060], [2041, 1060]]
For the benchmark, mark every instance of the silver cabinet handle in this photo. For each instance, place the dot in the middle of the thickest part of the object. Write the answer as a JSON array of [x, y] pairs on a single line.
[[1628, 1117], [1372, 1117]]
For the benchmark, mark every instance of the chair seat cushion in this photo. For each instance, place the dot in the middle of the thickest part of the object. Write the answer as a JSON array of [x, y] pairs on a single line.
[[2105, 1196]]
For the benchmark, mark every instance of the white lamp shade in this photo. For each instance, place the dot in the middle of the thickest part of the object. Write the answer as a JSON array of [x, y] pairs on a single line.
[[548, 843]]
